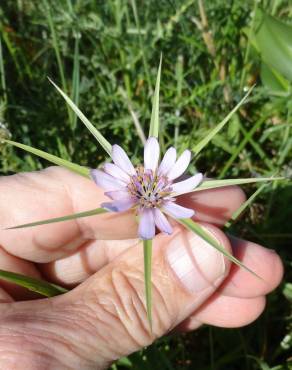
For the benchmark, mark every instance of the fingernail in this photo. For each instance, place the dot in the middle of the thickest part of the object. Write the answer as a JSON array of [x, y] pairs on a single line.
[[196, 263]]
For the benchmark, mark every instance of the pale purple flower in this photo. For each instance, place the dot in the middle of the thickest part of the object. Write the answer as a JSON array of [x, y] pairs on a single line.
[[150, 190]]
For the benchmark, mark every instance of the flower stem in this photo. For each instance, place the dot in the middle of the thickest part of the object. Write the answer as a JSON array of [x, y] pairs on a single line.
[[147, 248]]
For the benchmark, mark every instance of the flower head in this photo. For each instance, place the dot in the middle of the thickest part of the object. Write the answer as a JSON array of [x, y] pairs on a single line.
[[150, 190]]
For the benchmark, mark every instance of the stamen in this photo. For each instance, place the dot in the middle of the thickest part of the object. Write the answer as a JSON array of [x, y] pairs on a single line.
[[149, 188]]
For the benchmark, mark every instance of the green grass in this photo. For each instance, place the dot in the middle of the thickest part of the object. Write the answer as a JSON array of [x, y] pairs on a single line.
[[104, 55]]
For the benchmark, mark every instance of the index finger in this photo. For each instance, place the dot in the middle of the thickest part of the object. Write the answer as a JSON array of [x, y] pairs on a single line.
[[55, 192]]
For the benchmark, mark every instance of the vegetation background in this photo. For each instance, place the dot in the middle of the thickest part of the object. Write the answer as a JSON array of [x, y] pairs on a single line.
[[105, 54]]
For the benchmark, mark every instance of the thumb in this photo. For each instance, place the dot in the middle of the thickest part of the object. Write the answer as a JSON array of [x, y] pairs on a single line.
[[105, 318]]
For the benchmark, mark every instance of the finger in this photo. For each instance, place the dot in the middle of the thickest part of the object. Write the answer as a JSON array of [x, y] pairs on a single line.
[[15, 264], [57, 192], [264, 262], [74, 269], [240, 299], [95, 254], [79, 266], [90, 320], [214, 206], [227, 312], [51, 193]]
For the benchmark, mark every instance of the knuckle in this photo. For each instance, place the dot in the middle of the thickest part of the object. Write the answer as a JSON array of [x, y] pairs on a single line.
[[117, 307]]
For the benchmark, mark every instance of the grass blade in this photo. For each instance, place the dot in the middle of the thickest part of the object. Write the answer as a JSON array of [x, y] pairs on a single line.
[[2, 74], [141, 44], [242, 144], [154, 123], [197, 229], [35, 285], [75, 80], [147, 248], [93, 212], [134, 115], [138, 126], [201, 145], [243, 207], [55, 44], [213, 184], [99, 137], [84, 171]]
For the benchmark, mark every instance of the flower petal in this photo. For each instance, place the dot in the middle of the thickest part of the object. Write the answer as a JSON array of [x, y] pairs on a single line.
[[180, 165], [162, 222], [117, 172], [119, 205], [118, 194], [146, 229], [105, 181], [121, 159], [168, 161], [151, 154], [177, 211], [188, 184]]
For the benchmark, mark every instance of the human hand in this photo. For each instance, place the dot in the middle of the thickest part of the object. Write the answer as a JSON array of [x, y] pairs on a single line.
[[105, 318]]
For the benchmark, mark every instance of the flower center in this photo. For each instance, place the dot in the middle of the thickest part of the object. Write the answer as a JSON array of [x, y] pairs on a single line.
[[149, 188]]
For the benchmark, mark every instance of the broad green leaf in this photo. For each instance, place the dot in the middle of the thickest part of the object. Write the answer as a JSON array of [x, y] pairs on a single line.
[[197, 229], [213, 184], [102, 140], [93, 212], [147, 247], [84, 171], [273, 40], [35, 285], [243, 207], [274, 81], [154, 123], [201, 144]]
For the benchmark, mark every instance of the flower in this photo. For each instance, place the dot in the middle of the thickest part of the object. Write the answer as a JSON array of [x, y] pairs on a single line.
[[150, 190]]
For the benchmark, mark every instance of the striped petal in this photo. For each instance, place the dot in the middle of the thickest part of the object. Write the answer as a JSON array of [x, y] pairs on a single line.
[[121, 159], [176, 211], [162, 222], [151, 154], [119, 205], [168, 161], [188, 184], [117, 172], [180, 165], [105, 181], [146, 229]]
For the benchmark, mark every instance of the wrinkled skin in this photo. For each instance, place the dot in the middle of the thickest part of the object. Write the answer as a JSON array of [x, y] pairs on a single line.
[[104, 318]]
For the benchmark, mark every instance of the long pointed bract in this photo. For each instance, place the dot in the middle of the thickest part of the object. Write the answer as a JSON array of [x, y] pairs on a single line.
[[154, 123], [197, 229], [99, 137], [84, 171], [93, 212], [201, 145], [242, 208], [35, 285], [213, 184], [147, 248]]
